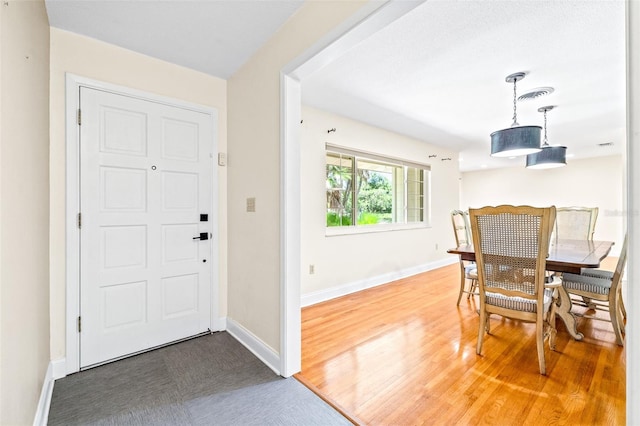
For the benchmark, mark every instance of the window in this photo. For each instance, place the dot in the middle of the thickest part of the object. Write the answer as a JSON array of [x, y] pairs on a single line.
[[365, 189]]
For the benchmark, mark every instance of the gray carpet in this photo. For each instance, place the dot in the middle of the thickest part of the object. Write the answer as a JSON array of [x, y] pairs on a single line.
[[211, 380]]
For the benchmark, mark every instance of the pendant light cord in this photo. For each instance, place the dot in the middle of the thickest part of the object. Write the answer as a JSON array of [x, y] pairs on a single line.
[[545, 129], [515, 113]]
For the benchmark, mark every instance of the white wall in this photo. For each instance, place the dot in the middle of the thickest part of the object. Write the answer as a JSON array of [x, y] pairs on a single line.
[[593, 182], [341, 260], [633, 211], [24, 208], [100, 61]]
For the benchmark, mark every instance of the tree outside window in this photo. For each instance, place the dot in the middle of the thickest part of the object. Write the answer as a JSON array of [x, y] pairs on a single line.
[[364, 191]]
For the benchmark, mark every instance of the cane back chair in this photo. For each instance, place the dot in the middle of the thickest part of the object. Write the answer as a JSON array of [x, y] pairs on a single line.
[[468, 272], [601, 291], [511, 245], [576, 223]]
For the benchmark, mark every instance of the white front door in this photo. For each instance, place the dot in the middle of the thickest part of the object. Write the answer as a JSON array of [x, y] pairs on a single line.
[[145, 202]]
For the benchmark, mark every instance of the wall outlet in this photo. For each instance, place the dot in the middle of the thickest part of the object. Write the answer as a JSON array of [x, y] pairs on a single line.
[[312, 269], [251, 204], [222, 159], [436, 246]]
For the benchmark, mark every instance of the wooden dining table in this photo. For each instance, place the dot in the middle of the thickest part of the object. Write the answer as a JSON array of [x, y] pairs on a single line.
[[564, 256]]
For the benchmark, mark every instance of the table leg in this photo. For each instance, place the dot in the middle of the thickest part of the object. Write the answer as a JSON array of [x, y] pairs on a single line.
[[564, 312]]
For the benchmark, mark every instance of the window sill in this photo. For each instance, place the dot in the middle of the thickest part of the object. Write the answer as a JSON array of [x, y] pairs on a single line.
[[334, 231]]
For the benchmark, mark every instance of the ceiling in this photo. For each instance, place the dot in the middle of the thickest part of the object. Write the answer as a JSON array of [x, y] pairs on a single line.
[[212, 36], [436, 74]]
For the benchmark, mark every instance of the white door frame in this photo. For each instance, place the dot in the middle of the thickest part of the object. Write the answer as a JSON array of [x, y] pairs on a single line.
[[72, 203], [368, 20]]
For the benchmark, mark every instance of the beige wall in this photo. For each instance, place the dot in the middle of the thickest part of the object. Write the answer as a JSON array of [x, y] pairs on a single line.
[[593, 182], [346, 259], [254, 171], [72, 53], [24, 208], [254, 167]]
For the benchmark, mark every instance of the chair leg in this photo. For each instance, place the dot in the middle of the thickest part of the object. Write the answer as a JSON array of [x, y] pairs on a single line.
[[472, 288], [540, 345], [616, 315], [552, 337], [462, 283], [551, 321], [616, 327], [482, 327], [622, 308], [615, 312], [587, 301]]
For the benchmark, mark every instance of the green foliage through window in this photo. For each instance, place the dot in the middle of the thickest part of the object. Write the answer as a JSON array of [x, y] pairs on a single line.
[[369, 192]]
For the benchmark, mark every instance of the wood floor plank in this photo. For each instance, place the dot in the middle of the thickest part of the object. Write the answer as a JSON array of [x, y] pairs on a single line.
[[403, 353]]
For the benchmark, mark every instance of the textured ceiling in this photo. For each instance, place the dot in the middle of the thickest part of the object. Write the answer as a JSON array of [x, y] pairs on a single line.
[[436, 74], [212, 36]]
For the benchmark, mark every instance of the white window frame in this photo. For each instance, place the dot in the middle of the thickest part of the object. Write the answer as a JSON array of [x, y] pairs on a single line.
[[394, 161]]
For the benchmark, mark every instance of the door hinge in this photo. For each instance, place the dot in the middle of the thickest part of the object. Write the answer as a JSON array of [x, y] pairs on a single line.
[[79, 220], [79, 324], [79, 117]]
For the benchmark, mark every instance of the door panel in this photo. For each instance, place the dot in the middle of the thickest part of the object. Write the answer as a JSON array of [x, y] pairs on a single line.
[[145, 178], [177, 243], [180, 192], [123, 189], [179, 295], [123, 132], [123, 247], [180, 141]]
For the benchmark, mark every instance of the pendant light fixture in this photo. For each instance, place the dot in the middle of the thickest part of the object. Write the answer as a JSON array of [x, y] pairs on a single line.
[[515, 140], [550, 156]]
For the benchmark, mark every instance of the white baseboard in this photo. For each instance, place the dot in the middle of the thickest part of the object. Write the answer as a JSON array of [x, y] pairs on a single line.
[[59, 368], [353, 287], [42, 411], [55, 370], [219, 324], [260, 349]]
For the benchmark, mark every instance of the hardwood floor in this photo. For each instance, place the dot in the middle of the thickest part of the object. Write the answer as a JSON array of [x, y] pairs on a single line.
[[404, 354]]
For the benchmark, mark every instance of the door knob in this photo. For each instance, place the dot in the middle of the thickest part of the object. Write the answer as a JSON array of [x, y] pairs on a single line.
[[203, 236]]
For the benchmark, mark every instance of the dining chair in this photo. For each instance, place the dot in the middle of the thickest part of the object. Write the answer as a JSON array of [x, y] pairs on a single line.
[[468, 271], [511, 246], [600, 290], [575, 223]]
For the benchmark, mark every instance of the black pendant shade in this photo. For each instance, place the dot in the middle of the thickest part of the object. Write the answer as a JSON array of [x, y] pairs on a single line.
[[515, 141], [548, 158]]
